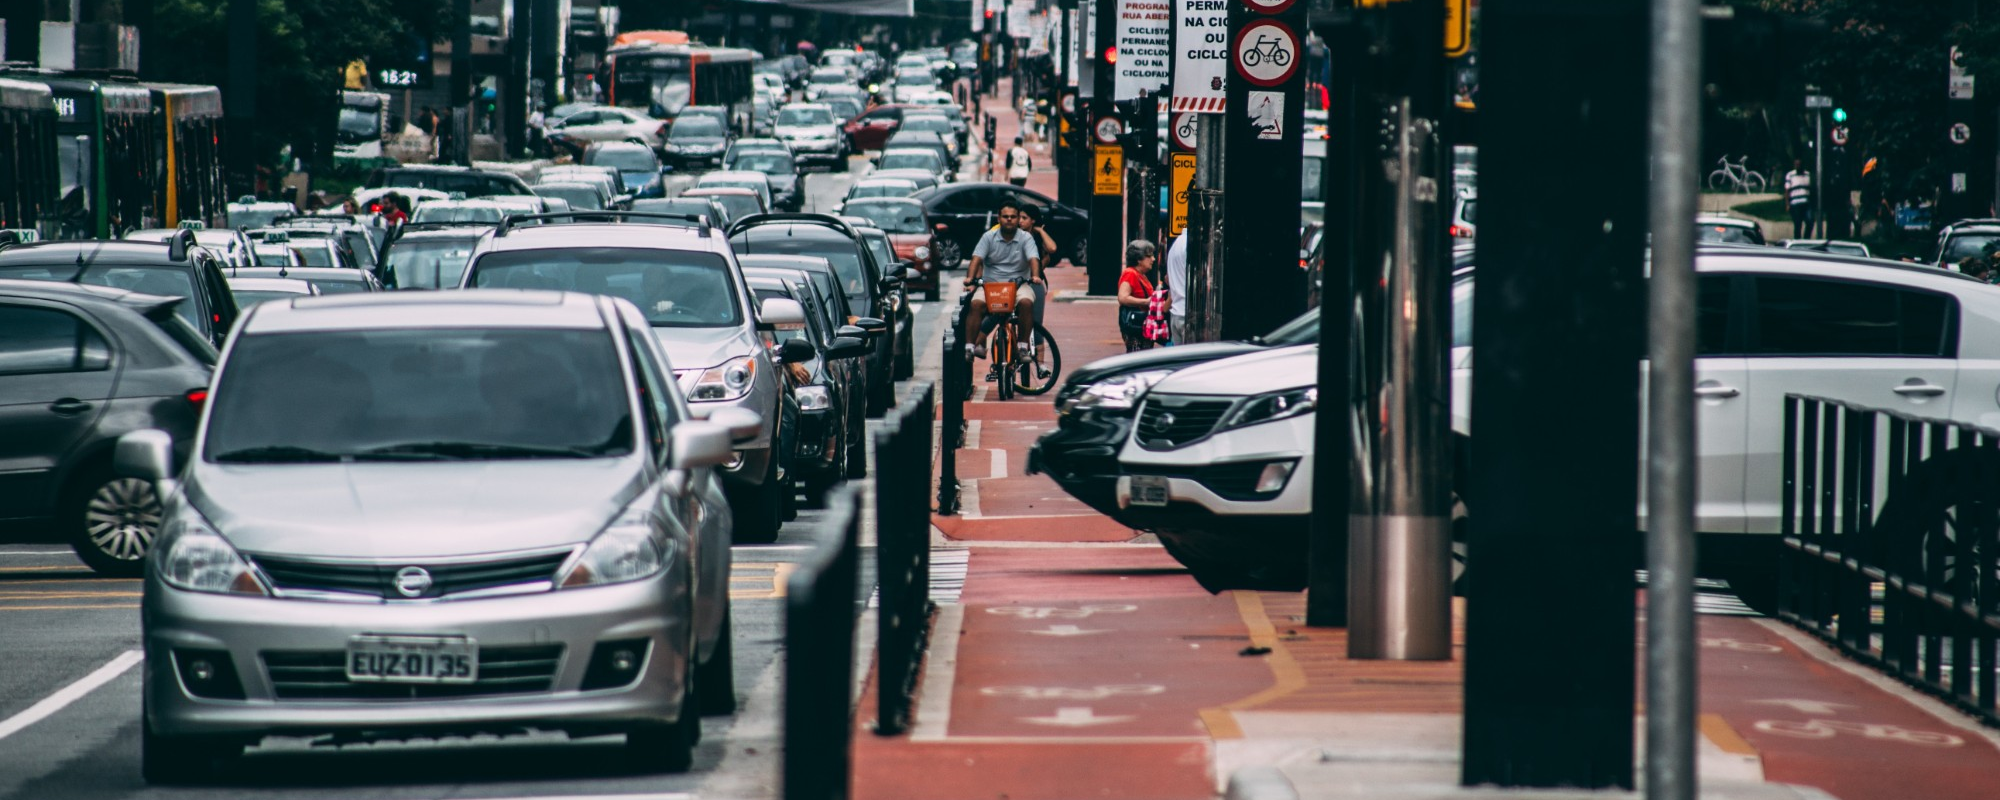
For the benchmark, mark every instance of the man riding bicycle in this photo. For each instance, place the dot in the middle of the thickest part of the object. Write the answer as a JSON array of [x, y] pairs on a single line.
[[1005, 254]]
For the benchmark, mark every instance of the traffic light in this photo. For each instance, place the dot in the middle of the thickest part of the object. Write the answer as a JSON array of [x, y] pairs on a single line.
[[1839, 116], [1111, 54]]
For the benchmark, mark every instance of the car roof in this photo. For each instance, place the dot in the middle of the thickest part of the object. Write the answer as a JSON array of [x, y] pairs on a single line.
[[444, 230], [602, 146], [797, 229], [565, 235], [471, 308], [86, 294], [91, 251], [259, 283], [335, 274], [872, 181], [783, 261], [883, 201], [1718, 219], [1814, 259], [712, 190]]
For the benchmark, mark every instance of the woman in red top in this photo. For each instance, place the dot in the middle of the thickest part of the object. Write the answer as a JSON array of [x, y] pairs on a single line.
[[1135, 293]]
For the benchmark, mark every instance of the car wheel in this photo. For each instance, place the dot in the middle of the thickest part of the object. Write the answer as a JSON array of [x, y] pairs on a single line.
[[715, 679], [761, 511], [948, 255], [112, 521], [181, 760], [668, 748], [1079, 252]]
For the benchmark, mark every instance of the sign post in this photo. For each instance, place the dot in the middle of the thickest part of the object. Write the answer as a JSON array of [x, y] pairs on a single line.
[[1262, 144]]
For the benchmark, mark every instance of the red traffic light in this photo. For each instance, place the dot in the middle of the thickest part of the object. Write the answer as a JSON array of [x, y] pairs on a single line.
[[1111, 55], [989, 13]]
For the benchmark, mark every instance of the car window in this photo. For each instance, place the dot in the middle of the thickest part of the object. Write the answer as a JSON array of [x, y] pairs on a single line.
[[580, 198], [39, 340], [429, 263], [625, 160], [840, 252], [978, 200], [327, 286], [653, 397], [1711, 318], [1962, 246], [439, 212], [1820, 317], [805, 116], [163, 281], [316, 254], [780, 333], [189, 339], [423, 393], [768, 163], [903, 217], [925, 161], [674, 288], [695, 128], [878, 246], [583, 118], [1724, 234]]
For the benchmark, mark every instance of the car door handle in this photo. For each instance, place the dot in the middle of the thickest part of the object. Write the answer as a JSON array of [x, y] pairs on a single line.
[[69, 405], [1716, 391], [1919, 390]]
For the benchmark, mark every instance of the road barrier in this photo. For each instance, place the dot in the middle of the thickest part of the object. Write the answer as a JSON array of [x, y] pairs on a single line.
[[1891, 547], [902, 554], [819, 656], [957, 378]]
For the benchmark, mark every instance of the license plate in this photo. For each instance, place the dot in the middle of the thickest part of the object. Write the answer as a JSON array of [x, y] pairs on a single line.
[[1149, 490], [412, 659]]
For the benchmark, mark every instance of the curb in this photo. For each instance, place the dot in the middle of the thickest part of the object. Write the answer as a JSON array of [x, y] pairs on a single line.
[[1260, 783]]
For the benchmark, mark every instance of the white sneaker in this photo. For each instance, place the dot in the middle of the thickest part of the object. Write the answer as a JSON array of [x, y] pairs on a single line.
[[978, 350]]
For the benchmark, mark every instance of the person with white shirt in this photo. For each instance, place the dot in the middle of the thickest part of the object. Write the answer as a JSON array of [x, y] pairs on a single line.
[[1177, 288], [1018, 164]]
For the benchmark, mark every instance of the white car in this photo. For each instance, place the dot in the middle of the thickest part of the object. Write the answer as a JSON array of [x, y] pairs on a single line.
[[612, 124], [814, 134]]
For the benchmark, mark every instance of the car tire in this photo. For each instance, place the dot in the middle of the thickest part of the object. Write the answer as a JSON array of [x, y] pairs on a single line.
[[110, 521], [715, 679], [760, 511], [668, 748], [949, 255], [181, 760]]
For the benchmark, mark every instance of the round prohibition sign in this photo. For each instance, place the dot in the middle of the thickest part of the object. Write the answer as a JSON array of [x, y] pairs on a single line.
[[1267, 52], [1184, 130]]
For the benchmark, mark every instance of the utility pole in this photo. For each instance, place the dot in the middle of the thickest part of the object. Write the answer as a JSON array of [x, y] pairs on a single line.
[[461, 81], [1560, 301], [1107, 163], [239, 105], [1263, 145]]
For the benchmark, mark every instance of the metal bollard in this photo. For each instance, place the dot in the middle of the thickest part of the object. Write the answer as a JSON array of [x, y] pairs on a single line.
[[952, 436]]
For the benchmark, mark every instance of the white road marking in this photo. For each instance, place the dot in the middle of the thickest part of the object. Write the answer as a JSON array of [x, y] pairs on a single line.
[[940, 671], [1810, 646], [1070, 693], [71, 693], [1027, 612], [1065, 631], [1077, 718], [999, 467], [1819, 708]]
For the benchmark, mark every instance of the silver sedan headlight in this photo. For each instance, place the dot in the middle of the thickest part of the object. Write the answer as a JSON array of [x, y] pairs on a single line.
[[625, 551], [1119, 392], [729, 381], [198, 559]]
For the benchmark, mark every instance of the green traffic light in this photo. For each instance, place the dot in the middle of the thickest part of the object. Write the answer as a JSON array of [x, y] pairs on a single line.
[[1839, 115]]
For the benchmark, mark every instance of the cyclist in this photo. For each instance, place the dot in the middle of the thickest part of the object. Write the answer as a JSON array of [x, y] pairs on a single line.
[[1005, 254]]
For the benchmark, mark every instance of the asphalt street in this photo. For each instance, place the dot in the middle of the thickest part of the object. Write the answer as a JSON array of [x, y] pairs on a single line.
[[70, 689]]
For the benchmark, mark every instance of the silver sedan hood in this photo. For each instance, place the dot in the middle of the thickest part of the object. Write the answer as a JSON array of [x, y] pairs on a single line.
[[412, 509], [701, 348]]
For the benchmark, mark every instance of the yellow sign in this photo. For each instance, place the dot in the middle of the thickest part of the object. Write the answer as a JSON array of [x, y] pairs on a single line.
[[355, 74], [1107, 171], [1457, 28], [1183, 180]]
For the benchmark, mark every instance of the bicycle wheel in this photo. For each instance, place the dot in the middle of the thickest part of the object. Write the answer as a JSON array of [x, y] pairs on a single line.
[[1002, 354], [1043, 368], [1717, 180], [1753, 183], [1251, 58], [1280, 57]]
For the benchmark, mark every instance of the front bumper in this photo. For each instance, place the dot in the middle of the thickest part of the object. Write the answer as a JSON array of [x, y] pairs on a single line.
[[815, 149], [819, 444], [1210, 474], [685, 160], [570, 624], [1081, 455]]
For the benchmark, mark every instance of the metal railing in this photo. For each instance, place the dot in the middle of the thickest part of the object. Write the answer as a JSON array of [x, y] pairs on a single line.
[[1891, 547], [902, 555], [819, 656]]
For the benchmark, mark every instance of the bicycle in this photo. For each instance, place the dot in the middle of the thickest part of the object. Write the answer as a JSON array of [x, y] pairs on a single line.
[[1737, 174], [1267, 47], [1038, 373]]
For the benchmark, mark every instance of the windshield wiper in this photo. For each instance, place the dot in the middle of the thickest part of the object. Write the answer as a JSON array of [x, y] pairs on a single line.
[[476, 450], [278, 454]]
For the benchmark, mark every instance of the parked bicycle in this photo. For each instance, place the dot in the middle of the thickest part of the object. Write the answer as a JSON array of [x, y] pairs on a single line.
[[1736, 175]]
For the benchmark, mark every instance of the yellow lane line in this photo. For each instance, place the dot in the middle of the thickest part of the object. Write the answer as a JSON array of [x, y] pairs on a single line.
[[1285, 670], [779, 572]]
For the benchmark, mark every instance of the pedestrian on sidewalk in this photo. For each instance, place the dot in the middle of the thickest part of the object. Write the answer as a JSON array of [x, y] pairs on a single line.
[[1135, 295], [1018, 164], [1798, 193], [1177, 288]]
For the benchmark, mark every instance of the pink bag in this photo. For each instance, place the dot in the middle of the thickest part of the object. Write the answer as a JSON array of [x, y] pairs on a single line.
[[1156, 328]]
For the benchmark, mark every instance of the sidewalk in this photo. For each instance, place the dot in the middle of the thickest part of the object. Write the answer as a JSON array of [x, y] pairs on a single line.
[[1081, 661]]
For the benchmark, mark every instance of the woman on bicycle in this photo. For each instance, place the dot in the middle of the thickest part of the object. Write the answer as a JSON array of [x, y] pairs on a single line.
[[1135, 295]]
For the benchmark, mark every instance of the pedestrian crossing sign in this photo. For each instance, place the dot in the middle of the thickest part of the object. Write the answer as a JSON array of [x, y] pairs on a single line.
[[1107, 171]]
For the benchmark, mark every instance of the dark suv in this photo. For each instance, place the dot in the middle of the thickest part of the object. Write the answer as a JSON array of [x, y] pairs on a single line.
[[79, 367], [870, 295], [174, 268]]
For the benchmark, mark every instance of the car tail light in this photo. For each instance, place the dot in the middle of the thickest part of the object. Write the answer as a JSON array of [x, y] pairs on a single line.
[[1457, 231], [197, 397]]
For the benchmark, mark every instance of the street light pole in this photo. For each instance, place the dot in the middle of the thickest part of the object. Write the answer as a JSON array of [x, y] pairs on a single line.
[[1819, 173]]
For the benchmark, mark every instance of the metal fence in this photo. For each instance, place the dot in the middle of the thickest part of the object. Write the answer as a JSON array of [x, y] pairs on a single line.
[[819, 656], [902, 555], [1890, 549]]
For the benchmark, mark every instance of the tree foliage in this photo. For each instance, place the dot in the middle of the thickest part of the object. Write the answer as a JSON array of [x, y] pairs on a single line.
[[302, 47]]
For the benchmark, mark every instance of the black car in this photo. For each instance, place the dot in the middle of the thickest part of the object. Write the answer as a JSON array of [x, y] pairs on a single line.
[[695, 141], [827, 431], [1095, 405], [174, 268], [900, 318], [962, 212], [80, 366], [870, 295], [471, 182], [780, 170], [834, 307]]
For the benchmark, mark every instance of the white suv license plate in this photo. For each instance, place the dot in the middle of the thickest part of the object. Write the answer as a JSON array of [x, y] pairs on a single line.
[[1149, 490], [412, 659]]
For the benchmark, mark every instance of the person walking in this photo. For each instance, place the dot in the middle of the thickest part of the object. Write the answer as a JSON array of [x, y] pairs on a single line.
[[1018, 164], [1135, 296], [1798, 194], [1177, 288]]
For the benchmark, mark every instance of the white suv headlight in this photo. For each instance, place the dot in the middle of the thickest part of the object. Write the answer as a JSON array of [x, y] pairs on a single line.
[[1118, 393], [1272, 406], [729, 381], [625, 551], [199, 560]]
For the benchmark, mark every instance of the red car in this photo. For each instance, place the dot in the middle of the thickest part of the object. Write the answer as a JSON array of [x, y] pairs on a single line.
[[909, 229], [874, 127]]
